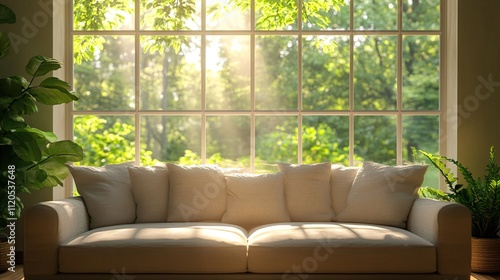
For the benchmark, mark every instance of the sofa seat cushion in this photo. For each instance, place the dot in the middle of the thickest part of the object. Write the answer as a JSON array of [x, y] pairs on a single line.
[[157, 248], [338, 248]]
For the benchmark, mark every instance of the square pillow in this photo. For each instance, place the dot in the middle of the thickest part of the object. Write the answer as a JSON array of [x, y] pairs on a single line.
[[308, 192], [382, 194], [255, 199], [107, 193], [196, 193], [150, 190]]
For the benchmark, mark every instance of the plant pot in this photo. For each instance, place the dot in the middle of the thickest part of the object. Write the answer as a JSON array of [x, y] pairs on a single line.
[[4, 250], [485, 255]]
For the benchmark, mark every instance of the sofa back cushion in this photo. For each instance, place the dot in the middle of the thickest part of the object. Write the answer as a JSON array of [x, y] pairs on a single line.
[[150, 186], [382, 194], [197, 193], [255, 199], [308, 192], [341, 181], [107, 193]]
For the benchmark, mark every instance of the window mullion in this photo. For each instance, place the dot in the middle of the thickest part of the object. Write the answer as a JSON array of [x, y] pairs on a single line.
[[137, 72], [351, 84], [299, 82], [252, 86], [399, 86]]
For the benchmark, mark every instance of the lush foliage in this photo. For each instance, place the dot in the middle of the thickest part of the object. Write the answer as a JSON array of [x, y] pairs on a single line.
[[480, 195], [171, 80], [31, 158]]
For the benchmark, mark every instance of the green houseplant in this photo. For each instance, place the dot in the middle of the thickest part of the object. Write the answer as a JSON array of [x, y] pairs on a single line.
[[481, 196], [30, 158]]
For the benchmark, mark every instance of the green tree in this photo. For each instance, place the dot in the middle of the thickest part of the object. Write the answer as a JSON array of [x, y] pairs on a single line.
[[171, 80]]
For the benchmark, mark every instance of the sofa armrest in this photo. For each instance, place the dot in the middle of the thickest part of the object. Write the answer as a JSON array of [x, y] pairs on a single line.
[[47, 225], [448, 226]]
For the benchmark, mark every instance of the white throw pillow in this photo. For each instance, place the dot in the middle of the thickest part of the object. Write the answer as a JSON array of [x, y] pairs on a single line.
[[341, 181], [196, 193], [308, 192], [107, 193], [150, 189], [254, 200], [382, 194]]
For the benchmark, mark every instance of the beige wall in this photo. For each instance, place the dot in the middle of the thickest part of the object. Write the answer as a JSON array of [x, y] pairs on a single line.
[[478, 82], [32, 35]]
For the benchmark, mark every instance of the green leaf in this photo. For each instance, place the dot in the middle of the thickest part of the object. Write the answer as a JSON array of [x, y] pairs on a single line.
[[55, 168], [41, 65], [10, 87], [25, 105], [20, 80], [4, 45], [6, 15], [46, 175], [53, 91], [35, 178], [10, 123], [48, 136], [25, 146], [65, 151]]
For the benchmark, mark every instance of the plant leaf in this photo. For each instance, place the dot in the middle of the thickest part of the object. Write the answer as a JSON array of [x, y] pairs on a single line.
[[65, 151], [25, 105], [41, 65], [9, 87], [20, 80], [53, 172], [25, 146], [53, 91], [35, 178], [4, 45], [10, 123], [48, 136], [6, 15]]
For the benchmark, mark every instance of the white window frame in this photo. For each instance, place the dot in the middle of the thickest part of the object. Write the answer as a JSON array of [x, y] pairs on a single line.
[[63, 114]]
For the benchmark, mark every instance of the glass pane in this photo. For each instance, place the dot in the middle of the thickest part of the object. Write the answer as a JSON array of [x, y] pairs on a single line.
[[422, 133], [275, 141], [375, 64], [171, 139], [325, 138], [325, 73], [228, 73], [276, 72], [421, 14], [170, 15], [375, 139], [170, 77], [104, 72], [228, 141], [103, 14], [421, 72], [228, 15], [105, 139], [276, 15], [376, 15], [325, 15]]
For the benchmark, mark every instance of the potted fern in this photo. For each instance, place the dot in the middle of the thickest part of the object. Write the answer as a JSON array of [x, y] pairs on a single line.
[[482, 197], [31, 159]]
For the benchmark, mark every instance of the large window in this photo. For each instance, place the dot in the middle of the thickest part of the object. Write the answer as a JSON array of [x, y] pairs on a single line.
[[249, 83]]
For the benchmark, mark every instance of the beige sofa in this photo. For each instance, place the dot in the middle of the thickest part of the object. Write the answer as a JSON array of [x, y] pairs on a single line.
[[202, 222]]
